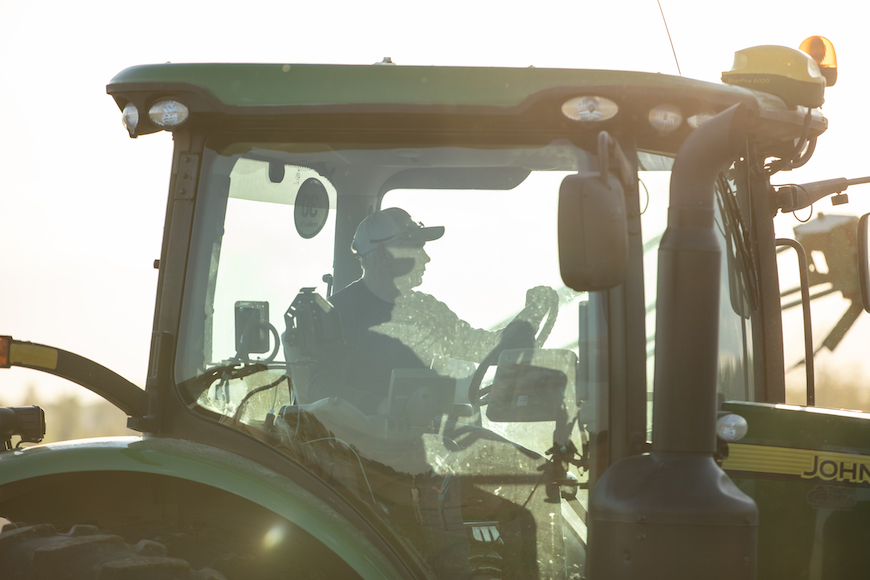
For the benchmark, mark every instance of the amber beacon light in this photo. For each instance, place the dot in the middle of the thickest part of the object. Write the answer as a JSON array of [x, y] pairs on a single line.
[[822, 51]]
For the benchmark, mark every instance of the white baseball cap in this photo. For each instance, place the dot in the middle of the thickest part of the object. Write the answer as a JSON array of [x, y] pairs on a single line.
[[390, 225]]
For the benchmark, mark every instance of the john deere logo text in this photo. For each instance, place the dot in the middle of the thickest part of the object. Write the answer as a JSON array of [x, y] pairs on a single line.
[[833, 470], [789, 462]]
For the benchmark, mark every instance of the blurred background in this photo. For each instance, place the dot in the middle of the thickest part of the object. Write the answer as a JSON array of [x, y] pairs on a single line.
[[82, 204]]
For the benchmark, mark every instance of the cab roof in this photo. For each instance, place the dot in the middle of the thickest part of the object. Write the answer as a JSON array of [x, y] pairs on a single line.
[[434, 98], [323, 84]]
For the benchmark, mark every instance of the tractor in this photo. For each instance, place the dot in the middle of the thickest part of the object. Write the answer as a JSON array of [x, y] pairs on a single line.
[[463, 322]]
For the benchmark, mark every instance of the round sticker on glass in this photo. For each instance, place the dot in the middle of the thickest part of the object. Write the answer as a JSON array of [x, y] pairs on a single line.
[[312, 208]]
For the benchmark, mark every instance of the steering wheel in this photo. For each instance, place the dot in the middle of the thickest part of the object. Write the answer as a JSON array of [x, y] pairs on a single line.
[[517, 334]]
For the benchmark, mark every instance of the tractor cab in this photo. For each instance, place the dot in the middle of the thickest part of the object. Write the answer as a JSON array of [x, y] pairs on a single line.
[[438, 289]]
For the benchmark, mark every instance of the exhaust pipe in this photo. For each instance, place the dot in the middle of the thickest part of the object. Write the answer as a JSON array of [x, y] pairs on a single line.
[[674, 513]]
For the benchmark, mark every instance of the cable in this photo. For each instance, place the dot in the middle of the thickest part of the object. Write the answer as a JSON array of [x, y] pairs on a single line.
[[802, 188], [238, 414], [669, 37], [352, 450], [646, 205], [800, 156]]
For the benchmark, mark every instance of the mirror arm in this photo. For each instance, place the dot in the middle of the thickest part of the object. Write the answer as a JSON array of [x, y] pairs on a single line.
[[789, 198], [607, 147]]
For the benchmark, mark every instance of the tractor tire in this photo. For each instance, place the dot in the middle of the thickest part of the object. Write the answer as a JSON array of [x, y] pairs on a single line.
[[39, 552]]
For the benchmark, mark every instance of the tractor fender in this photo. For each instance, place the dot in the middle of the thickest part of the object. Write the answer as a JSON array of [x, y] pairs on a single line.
[[208, 466]]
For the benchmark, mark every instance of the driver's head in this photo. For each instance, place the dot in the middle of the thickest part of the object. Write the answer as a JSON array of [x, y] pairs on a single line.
[[388, 226], [389, 244]]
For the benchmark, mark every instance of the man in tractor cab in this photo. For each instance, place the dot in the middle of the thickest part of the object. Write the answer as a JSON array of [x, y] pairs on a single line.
[[388, 325]]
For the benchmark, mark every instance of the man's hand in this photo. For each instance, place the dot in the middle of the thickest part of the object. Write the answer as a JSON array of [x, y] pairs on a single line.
[[538, 302]]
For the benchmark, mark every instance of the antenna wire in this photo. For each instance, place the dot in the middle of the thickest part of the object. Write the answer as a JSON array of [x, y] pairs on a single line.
[[669, 37]]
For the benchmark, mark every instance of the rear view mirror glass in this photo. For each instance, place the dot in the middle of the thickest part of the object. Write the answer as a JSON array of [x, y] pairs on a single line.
[[593, 232]]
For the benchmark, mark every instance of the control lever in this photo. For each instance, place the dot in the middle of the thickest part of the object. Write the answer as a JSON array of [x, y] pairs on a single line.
[[26, 422], [789, 198]]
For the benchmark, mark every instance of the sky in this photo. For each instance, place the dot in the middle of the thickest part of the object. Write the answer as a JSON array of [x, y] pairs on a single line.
[[82, 205]]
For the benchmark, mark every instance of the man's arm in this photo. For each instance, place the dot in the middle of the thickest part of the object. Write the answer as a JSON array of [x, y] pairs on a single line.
[[462, 341]]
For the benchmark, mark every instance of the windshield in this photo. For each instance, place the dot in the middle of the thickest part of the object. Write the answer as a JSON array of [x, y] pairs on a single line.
[[393, 317]]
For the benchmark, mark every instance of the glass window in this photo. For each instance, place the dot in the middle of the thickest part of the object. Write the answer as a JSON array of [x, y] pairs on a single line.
[[429, 391], [839, 332]]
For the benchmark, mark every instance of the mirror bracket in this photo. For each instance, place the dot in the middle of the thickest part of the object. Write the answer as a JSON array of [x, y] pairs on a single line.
[[864, 259]]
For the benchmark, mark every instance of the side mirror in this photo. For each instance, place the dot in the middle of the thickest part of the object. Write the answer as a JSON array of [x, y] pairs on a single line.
[[593, 232], [864, 259], [252, 327]]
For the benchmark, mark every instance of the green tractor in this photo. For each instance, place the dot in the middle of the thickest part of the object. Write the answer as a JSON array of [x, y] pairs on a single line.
[[567, 364]]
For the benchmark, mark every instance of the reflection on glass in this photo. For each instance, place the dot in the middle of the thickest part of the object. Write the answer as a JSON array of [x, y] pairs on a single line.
[[424, 358]]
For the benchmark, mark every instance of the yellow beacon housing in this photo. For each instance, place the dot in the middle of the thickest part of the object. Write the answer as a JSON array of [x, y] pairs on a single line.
[[785, 72]]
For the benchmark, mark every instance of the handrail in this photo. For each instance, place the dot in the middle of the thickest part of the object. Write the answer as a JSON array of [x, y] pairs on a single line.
[[85, 372], [808, 322]]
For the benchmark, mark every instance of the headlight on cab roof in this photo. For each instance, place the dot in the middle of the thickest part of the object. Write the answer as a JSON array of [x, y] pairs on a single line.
[[168, 113], [699, 119], [130, 118], [589, 109], [666, 118]]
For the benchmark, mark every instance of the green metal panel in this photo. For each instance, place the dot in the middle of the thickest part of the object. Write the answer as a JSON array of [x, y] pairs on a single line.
[[808, 469], [208, 466], [804, 427], [300, 84]]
